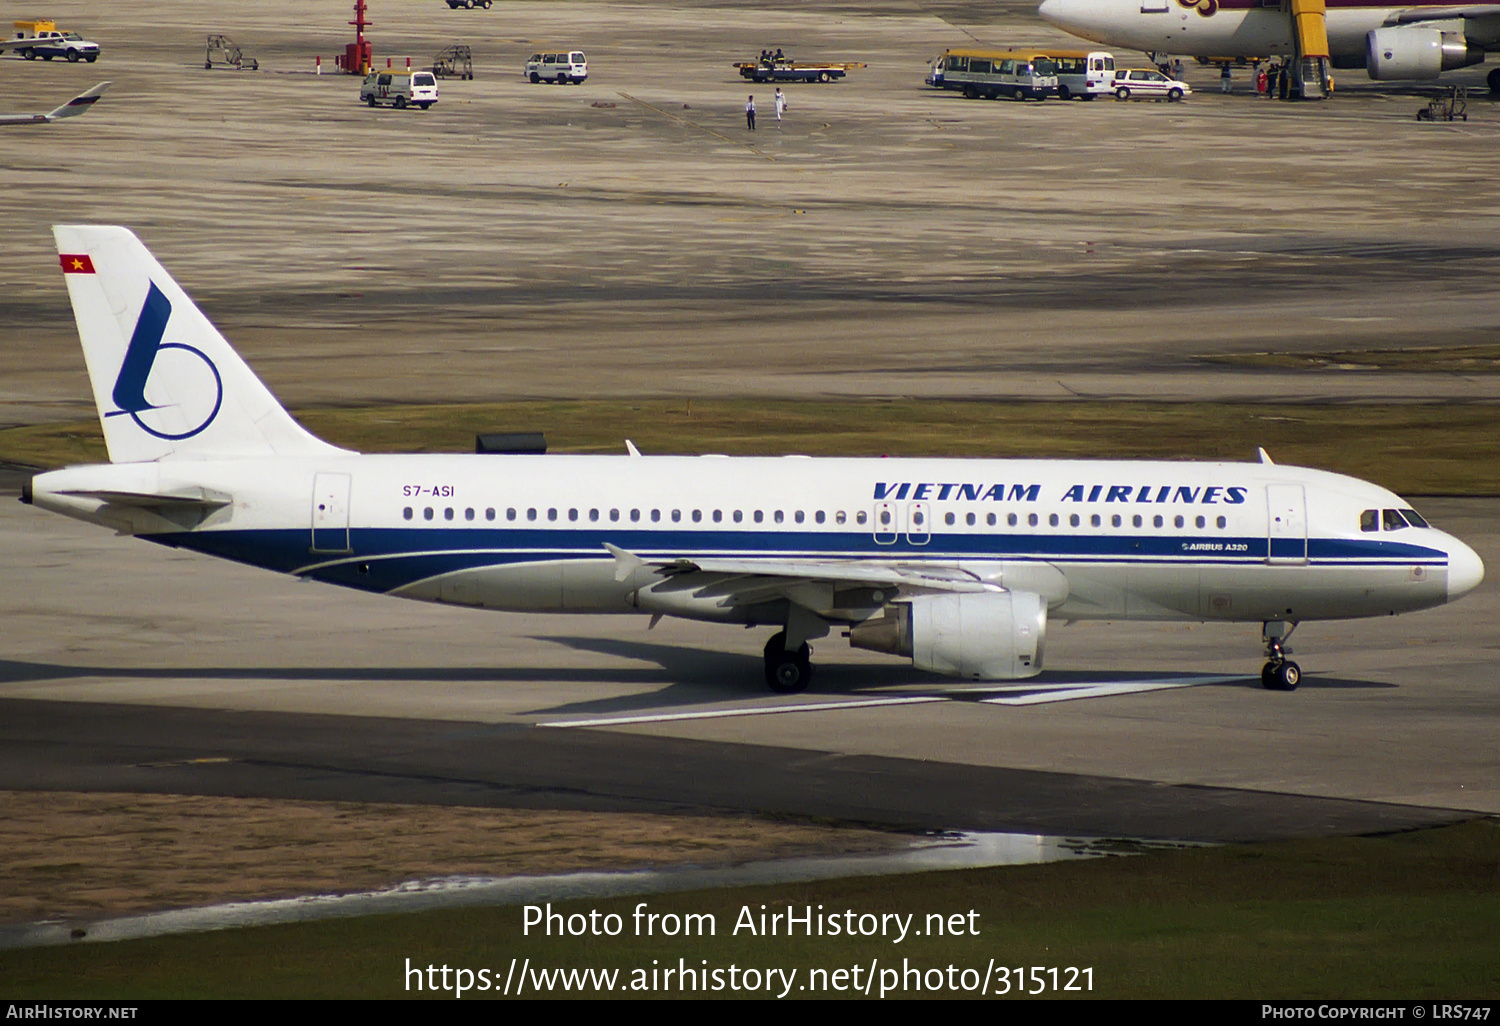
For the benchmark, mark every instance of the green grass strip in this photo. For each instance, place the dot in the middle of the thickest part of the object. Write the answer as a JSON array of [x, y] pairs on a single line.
[[1402, 916]]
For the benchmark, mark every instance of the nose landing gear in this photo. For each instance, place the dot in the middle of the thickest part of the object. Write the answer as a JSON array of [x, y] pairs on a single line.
[[1280, 673]]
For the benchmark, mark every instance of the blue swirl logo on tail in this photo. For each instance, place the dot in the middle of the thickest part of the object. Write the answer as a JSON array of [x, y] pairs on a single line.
[[147, 352]]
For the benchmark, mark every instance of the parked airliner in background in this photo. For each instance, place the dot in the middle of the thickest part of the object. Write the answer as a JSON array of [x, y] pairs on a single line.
[[957, 564], [74, 107], [1420, 39]]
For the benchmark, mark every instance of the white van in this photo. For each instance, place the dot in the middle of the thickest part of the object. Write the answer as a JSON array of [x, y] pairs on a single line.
[[562, 67], [399, 88]]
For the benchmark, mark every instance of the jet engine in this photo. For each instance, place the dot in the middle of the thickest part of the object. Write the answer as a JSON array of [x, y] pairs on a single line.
[[977, 635], [1407, 51]]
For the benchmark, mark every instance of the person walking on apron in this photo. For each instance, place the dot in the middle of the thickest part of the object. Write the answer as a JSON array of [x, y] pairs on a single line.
[[750, 113], [780, 105]]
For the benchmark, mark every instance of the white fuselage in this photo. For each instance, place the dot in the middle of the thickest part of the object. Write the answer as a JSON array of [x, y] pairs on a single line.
[[1096, 539], [1172, 27]]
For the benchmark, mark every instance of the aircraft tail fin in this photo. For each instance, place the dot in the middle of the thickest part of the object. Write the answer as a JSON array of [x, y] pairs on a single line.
[[167, 384], [78, 104]]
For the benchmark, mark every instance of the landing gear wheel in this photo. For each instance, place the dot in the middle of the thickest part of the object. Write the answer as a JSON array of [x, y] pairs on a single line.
[[787, 672], [1283, 676]]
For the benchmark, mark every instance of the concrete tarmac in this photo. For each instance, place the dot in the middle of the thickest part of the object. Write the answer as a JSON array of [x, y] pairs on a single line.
[[629, 237]]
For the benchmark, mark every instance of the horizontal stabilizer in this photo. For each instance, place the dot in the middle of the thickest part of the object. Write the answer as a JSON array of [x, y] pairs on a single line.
[[193, 498]]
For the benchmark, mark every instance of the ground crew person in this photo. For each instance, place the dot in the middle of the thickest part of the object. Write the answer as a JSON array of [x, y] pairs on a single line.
[[750, 113]]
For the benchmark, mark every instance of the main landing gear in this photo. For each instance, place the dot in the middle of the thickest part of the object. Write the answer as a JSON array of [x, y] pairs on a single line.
[[787, 672], [1280, 673]]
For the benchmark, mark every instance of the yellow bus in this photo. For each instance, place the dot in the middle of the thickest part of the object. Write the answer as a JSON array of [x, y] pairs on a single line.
[[987, 74]]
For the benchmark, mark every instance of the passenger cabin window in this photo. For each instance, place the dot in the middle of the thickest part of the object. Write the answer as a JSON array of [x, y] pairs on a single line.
[[406, 513], [859, 517]]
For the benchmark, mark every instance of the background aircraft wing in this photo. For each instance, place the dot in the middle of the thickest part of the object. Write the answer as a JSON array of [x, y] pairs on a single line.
[[1443, 13], [74, 107]]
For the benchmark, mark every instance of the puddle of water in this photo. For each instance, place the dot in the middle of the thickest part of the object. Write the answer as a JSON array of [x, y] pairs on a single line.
[[946, 851]]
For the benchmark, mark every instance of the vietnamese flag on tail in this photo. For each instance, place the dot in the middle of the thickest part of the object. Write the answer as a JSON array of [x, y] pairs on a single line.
[[76, 263]]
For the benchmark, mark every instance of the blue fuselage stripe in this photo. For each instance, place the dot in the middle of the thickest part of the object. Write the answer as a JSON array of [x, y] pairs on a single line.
[[384, 559]]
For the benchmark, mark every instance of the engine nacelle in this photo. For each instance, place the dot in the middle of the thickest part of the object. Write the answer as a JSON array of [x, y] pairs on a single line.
[[1409, 52], [976, 635]]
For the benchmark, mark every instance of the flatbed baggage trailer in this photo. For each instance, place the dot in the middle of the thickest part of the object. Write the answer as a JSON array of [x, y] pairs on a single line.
[[793, 71]]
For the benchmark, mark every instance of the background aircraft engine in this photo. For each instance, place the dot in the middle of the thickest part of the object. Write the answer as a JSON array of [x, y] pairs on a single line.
[[980, 636], [1406, 52]]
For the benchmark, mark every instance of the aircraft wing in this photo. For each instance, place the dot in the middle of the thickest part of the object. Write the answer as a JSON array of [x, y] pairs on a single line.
[[1442, 13], [74, 107], [808, 582]]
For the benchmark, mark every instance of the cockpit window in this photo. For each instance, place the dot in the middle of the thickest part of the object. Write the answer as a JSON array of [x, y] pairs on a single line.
[[1414, 518], [1392, 520], [1369, 520]]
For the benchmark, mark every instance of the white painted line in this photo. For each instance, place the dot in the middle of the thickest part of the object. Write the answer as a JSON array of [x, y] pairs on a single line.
[[763, 710], [1107, 688]]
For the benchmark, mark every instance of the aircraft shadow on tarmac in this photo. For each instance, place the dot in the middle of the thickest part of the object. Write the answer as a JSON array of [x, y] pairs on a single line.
[[682, 677]]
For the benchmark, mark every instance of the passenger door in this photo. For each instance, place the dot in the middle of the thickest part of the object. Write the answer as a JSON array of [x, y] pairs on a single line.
[[330, 513], [1286, 517]]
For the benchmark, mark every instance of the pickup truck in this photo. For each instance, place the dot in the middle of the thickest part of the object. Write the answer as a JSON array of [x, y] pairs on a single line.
[[49, 44]]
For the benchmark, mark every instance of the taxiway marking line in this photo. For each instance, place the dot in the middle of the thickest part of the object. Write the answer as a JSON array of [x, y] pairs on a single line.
[[714, 714], [1101, 690]]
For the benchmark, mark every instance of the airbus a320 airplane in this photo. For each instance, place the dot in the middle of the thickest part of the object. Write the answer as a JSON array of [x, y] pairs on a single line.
[[1420, 39], [957, 564]]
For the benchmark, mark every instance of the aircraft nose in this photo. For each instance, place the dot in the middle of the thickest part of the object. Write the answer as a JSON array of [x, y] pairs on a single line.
[[1053, 11], [1465, 570]]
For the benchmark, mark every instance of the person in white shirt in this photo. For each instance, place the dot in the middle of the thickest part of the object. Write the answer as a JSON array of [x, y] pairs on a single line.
[[780, 105], [750, 113]]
